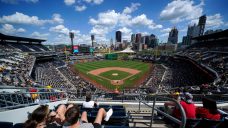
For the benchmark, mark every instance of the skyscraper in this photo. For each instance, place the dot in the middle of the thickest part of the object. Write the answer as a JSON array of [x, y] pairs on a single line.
[[153, 41], [138, 38], [132, 38], [92, 38], [118, 36], [194, 31], [201, 24], [173, 36]]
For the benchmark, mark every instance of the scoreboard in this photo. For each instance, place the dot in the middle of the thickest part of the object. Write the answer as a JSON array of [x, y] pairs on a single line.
[[75, 48]]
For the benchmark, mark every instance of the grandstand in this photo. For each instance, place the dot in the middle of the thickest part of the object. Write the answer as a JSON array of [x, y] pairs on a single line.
[[32, 75]]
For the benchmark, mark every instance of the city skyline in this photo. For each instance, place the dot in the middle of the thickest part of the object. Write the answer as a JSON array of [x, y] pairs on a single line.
[[102, 18]]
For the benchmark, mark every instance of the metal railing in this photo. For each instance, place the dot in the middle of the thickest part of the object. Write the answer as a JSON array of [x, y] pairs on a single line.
[[16, 97], [181, 122], [220, 98]]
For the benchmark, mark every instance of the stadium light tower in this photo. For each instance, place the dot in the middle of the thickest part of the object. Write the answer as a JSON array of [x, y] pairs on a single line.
[[71, 34]]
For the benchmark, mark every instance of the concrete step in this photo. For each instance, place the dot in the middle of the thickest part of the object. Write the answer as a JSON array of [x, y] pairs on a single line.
[[146, 124]]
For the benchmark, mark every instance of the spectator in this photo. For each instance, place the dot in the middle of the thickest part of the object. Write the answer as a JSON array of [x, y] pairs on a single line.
[[72, 116], [88, 103], [209, 110], [38, 118], [57, 117], [171, 104], [188, 106]]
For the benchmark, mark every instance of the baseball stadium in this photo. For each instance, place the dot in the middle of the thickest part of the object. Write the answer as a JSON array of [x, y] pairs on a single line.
[[60, 66]]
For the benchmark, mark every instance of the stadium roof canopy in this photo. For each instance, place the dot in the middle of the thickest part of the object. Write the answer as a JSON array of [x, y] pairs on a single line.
[[18, 39], [127, 50], [216, 35]]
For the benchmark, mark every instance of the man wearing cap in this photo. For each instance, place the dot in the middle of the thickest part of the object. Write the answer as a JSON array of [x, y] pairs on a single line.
[[188, 106]]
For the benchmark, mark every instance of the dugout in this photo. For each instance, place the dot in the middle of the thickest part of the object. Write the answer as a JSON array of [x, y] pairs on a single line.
[[112, 56]]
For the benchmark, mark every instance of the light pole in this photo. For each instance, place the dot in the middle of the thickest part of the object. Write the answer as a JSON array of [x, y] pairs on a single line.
[[71, 34]]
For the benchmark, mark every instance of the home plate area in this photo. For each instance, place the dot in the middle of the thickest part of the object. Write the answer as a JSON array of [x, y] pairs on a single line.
[[117, 82]]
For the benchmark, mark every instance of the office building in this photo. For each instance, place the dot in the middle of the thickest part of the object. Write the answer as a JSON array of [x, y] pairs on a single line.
[[173, 36]]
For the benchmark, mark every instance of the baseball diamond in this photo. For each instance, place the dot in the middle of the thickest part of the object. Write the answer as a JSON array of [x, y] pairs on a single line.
[[114, 74]]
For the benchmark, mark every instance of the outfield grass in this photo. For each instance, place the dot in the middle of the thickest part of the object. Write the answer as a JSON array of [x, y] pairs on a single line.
[[84, 68]]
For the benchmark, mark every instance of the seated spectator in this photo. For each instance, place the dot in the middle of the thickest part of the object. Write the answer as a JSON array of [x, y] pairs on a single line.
[[88, 103], [72, 118], [58, 116], [170, 106], [209, 110], [38, 118], [188, 106]]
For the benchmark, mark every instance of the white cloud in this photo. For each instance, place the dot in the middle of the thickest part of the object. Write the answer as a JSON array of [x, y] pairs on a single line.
[[166, 30], [126, 32], [99, 30], [20, 18], [142, 20], [180, 10], [80, 8], [94, 1], [214, 21], [21, 30], [109, 18], [60, 29], [134, 7], [56, 18], [9, 29], [62, 36], [16, 1], [39, 35], [69, 2]]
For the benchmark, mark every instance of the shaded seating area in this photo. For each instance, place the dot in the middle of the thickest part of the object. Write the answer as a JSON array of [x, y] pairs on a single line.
[[118, 119]]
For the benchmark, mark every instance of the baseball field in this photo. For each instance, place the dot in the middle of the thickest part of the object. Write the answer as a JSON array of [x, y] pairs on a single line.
[[114, 74]]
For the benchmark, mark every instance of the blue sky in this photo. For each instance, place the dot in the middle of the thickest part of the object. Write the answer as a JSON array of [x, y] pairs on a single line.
[[54, 19]]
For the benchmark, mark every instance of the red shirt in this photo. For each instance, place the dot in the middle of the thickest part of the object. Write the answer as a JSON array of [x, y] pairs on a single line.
[[204, 113], [190, 110]]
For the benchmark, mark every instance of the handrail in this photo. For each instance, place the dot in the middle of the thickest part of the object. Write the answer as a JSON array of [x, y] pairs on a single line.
[[12, 100], [181, 122]]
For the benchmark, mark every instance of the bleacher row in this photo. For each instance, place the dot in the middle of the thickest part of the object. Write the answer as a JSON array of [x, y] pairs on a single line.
[[9, 101], [22, 47], [15, 69], [119, 118]]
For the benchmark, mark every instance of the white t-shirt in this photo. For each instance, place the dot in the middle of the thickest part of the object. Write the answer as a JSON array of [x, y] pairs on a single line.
[[89, 104]]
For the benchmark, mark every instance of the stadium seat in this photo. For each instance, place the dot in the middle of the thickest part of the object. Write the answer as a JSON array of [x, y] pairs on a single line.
[[6, 124], [206, 123], [192, 123], [18, 125]]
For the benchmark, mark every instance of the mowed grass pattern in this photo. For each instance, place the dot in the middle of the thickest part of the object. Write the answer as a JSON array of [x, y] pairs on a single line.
[[84, 68], [119, 74]]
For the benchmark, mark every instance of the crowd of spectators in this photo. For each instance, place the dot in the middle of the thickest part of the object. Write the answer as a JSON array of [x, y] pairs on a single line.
[[214, 58], [152, 83], [15, 69], [181, 73], [80, 84], [46, 73]]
